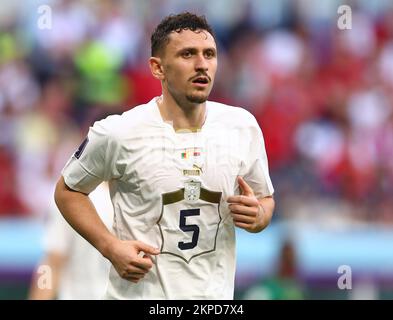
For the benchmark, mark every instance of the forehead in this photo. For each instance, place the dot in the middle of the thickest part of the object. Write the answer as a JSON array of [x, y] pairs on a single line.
[[190, 39]]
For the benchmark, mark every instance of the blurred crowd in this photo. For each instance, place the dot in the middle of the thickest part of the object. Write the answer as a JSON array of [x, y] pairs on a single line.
[[322, 96]]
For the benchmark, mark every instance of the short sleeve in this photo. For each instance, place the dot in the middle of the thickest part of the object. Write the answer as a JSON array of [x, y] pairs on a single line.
[[94, 161], [257, 174]]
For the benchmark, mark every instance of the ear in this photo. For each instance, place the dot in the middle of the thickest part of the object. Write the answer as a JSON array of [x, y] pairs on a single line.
[[156, 68]]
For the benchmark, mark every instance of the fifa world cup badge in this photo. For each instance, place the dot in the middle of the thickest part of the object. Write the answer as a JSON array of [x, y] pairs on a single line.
[[192, 191]]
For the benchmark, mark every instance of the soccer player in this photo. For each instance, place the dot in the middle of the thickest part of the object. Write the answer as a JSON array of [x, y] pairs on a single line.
[[72, 269], [183, 172]]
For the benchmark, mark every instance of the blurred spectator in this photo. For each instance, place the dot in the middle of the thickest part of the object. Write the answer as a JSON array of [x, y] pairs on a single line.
[[284, 284], [77, 270], [10, 202]]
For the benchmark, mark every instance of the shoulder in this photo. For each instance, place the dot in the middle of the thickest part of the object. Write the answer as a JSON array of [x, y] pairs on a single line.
[[231, 115], [123, 125]]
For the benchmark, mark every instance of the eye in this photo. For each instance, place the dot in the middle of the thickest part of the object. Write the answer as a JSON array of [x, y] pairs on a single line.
[[186, 54], [210, 54]]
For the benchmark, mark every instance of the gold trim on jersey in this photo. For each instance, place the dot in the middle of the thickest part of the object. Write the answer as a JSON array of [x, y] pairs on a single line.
[[188, 130], [172, 197], [210, 196], [206, 195]]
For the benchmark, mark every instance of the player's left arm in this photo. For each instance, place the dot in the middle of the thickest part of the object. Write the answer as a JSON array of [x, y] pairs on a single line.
[[248, 211]]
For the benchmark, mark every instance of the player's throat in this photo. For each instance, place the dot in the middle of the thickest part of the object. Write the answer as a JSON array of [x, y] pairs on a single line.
[[181, 119]]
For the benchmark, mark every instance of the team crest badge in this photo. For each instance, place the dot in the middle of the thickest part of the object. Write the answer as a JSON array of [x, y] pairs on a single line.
[[192, 191]]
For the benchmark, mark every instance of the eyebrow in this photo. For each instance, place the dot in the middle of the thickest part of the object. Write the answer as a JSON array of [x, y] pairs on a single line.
[[193, 49]]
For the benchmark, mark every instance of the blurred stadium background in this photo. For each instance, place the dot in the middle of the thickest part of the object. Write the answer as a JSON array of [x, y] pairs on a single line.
[[323, 97]]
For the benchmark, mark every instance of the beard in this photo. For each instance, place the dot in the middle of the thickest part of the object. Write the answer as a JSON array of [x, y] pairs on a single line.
[[197, 98], [189, 99]]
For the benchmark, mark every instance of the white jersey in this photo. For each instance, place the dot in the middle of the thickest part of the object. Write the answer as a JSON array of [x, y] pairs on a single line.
[[169, 190], [85, 272]]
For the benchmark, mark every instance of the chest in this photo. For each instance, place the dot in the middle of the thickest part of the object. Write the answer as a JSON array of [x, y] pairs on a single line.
[[163, 162]]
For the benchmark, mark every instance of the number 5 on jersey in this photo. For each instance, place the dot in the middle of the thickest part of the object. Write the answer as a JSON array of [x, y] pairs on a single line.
[[189, 230]]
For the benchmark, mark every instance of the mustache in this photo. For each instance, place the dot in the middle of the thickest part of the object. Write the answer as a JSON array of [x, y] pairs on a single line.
[[202, 74]]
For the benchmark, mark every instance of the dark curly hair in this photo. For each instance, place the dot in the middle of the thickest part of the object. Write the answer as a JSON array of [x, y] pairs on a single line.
[[178, 22]]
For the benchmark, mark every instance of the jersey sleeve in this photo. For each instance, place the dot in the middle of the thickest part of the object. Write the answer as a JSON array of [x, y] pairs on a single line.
[[94, 161], [257, 173]]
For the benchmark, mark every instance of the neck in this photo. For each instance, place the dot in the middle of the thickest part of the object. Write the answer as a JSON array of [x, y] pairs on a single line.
[[183, 116]]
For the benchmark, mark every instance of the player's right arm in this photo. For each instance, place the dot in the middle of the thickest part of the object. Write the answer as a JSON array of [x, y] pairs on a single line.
[[96, 161], [78, 210]]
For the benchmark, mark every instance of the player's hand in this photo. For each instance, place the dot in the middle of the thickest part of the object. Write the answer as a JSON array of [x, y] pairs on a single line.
[[245, 208], [132, 259]]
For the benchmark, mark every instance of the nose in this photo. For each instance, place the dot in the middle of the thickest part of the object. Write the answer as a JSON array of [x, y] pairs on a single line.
[[201, 63]]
